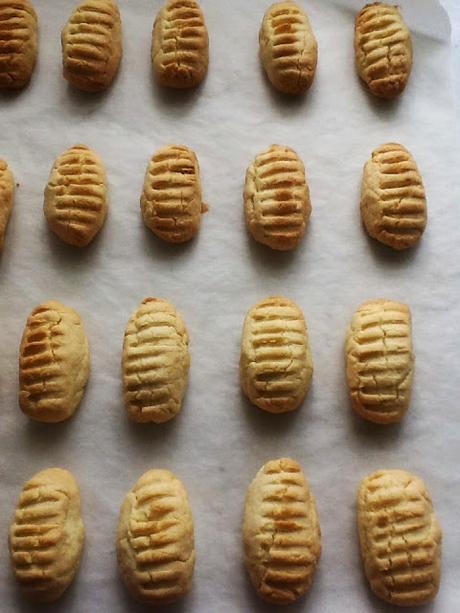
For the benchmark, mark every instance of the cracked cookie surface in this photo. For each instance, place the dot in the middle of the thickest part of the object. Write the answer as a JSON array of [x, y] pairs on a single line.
[[18, 43]]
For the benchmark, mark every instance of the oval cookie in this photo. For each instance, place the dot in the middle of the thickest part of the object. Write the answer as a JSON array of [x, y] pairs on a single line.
[[383, 49], [47, 534], [276, 198], [156, 362], [171, 201], [275, 364], [53, 363], [92, 45], [180, 44], [155, 539], [400, 537], [18, 43], [281, 532], [393, 204], [76, 196], [6, 198], [288, 48], [380, 361]]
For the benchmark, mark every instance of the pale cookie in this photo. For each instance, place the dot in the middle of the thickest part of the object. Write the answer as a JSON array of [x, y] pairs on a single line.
[[6, 198], [180, 44], [380, 360], [46, 536], [383, 49], [155, 362], [276, 198], [18, 43], [400, 537], [288, 48], [92, 45], [171, 201], [275, 364], [281, 532], [393, 204], [155, 539], [76, 196], [53, 363]]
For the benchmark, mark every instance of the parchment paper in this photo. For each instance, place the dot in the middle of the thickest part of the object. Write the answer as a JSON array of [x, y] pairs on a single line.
[[219, 441]]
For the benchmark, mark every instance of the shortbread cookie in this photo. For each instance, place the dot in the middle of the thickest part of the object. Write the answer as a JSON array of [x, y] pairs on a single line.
[[47, 534], [393, 204], [171, 202], [180, 44], [18, 43], [53, 363], [76, 196], [276, 198], [288, 47], [275, 364], [6, 198], [380, 361], [383, 49], [281, 533], [92, 45], [155, 541], [400, 537], [156, 362]]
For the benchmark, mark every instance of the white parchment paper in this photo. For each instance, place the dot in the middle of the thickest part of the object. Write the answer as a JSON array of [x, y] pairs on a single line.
[[219, 441]]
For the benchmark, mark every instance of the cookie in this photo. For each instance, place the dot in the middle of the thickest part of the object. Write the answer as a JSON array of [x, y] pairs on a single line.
[[53, 363], [155, 539], [18, 43], [400, 538], [6, 198]]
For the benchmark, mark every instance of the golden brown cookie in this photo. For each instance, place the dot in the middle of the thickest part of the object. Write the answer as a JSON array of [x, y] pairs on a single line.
[[6, 198], [76, 196], [46, 536], [18, 43], [155, 540], [92, 45], [281, 532], [400, 537], [53, 363], [383, 49], [180, 44]]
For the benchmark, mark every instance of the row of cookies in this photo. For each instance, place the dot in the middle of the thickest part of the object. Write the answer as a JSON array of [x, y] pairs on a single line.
[[399, 535], [92, 46]]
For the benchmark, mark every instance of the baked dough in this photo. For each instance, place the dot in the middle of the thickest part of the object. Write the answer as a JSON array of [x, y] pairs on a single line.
[[180, 44], [275, 364], [53, 363], [6, 198], [171, 201], [155, 540], [156, 362], [76, 196], [276, 198], [46, 536], [383, 49], [393, 204], [92, 45], [380, 361], [18, 43], [288, 48], [400, 537], [281, 532]]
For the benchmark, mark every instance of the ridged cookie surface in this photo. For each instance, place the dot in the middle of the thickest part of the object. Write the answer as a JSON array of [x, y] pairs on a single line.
[[383, 49], [76, 196], [180, 44], [276, 198], [47, 534], [171, 201], [155, 540], [6, 198], [393, 204], [156, 362], [380, 361], [275, 364], [400, 537], [281, 532], [288, 47], [92, 45], [18, 43]]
